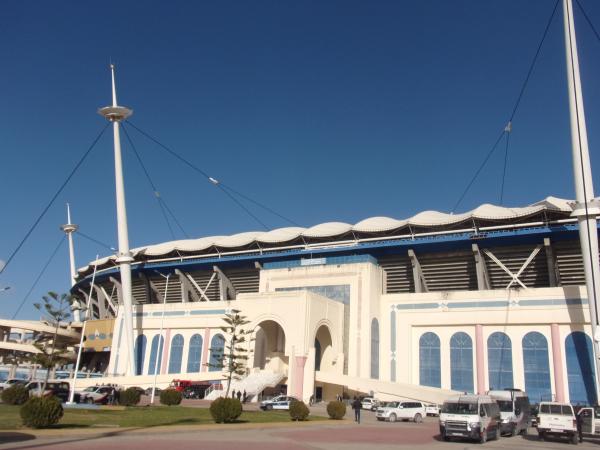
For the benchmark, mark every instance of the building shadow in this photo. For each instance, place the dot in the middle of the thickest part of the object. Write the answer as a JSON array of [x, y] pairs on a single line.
[[9, 437]]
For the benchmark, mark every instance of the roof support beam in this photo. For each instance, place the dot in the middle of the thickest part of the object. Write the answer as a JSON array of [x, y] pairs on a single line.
[[117, 284], [483, 278], [226, 289], [202, 291], [186, 288], [108, 299], [553, 274], [419, 278]]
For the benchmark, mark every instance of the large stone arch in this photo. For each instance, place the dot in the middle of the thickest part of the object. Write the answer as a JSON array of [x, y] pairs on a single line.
[[269, 346], [324, 347]]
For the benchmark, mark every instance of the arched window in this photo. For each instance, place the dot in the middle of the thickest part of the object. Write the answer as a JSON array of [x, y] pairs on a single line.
[[580, 368], [155, 348], [375, 349], [217, 347], [317, 355], [461, 362], [140, 352], [500, 367], [176, 354], [194, 354], [536, 367], [429, 360]]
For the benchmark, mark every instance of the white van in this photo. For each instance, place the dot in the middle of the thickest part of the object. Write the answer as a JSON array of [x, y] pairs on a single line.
[[515, 410], [470, 416]]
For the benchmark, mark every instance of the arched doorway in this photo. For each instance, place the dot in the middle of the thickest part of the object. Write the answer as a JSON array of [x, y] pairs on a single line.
[[323, 349], [269, 347]]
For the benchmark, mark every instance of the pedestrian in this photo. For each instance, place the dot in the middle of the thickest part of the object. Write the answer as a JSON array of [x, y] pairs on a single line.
[[244, 397], [579, 418], [356, 407], [239, 396], [233, 394]]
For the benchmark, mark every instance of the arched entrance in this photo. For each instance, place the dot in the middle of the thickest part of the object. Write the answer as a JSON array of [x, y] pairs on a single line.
[[269, 347], [323, 349]]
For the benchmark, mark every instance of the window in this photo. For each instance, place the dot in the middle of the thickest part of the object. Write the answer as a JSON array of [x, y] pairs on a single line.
[[194, 354], [461, 362], [429, 360], [580, 368], [500, 370], [139, 352], [375, 349], [217, 347], [156, 350], [536, 367], [176, 354]]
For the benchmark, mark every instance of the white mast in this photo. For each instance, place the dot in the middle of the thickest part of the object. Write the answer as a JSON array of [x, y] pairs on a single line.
[[116, 114], [585, 208], [70, 228]]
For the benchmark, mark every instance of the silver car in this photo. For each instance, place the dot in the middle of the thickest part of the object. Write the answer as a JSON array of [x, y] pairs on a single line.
[[280, 402]]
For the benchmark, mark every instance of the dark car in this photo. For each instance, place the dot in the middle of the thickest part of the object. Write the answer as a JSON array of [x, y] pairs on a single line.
[[195, 392], [149, 391]]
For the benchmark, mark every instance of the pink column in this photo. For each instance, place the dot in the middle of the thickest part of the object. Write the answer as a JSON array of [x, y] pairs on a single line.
[[205, 346], [165, 353], [479, 359], [299, 376], [559, 380]]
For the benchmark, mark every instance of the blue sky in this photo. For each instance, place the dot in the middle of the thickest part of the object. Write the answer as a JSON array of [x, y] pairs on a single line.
[[322, 110]]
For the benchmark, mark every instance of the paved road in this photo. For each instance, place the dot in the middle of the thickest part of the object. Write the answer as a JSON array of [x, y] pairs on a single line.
[[346, 435]]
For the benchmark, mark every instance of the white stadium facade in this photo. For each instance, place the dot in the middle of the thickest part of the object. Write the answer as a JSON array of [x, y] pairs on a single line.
[[419, 308]]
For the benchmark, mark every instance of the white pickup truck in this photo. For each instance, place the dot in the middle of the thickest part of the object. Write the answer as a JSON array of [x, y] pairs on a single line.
[[557, 419], [590, 420]]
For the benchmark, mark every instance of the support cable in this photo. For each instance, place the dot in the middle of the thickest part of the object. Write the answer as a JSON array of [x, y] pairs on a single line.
[[212, 180], [588, 20], [54, 252], [60, 189], [515, 107], [152, 185], [95, 241]]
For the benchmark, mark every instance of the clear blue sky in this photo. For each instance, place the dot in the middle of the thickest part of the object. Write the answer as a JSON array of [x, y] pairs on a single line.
[[323, 110]]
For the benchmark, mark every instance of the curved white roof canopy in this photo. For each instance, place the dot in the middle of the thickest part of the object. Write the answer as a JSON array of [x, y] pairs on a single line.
[[331, 229]]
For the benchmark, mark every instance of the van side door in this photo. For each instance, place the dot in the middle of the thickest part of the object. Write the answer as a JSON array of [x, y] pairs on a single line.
[[586, 416]]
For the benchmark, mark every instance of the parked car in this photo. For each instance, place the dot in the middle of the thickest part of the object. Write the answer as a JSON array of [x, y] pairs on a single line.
[[533, 412], [194, 392], [393, 411], [279, 402], [57, 389], [11, 381], [514, 410], [557, 419], [97, 394], [471, 417], [432, 410], [148, 391], [369, 403]]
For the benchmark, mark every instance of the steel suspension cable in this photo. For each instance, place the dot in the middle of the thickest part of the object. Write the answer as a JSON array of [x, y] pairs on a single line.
[[212, 180], [95, 241], [60, 189], [589, 21], [514, 110], [54, 252]]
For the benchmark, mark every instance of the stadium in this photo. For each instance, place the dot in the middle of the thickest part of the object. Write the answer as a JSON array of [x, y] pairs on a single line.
[[417, 308]]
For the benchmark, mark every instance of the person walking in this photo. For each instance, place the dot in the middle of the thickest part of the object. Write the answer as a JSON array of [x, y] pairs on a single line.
[[233, 393], [356, 407], [239, 396]]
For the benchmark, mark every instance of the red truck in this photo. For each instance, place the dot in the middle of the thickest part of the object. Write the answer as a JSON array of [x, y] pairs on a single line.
[[189, 388]]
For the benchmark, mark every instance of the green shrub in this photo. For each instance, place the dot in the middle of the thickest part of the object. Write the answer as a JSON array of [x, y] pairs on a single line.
[[298, 410], [336, 410], [41, 412], [129, 397], [224, 410], [17, 394], [170, 397]]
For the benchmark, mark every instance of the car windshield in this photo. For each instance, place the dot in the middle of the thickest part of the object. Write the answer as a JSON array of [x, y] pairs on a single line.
[[460, 408], [505, 405], [89, 389], [391, 405]]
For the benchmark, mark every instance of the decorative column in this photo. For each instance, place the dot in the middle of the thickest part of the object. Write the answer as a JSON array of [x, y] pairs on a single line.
[[479, 359], [205, 346], [166, 351], [299, 376], [559, 379]]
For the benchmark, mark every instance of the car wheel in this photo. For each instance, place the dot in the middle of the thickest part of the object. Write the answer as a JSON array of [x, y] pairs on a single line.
[[483, 438], [513, 430], [269, 407], [445, 437], [418, 418], [392, 417], [542, 435], [89, 401], [574, 439]]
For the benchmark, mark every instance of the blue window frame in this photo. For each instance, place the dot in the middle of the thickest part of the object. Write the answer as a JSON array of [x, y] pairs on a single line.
[[176, 354], [429, 360], [155, 349], [217, 347], [375, 349], [461, 362], [536, 367], [140, 352], [194, 354], [580, 368], [500, 365]]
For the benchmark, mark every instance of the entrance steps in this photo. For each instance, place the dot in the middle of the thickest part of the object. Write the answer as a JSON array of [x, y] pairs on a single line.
[[253, 384]]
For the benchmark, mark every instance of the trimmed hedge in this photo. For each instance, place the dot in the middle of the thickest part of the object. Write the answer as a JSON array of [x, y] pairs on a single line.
[[170, 397], [17, 394], [299, 411], [336, 410], [129, 397], [41, 412], [225, 410]]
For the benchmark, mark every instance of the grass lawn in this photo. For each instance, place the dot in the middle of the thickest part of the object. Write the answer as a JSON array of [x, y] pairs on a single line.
[[140, 416]]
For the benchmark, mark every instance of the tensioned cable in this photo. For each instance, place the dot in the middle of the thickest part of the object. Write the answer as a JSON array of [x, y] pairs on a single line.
[[515, 108], [96, 241], [60, 189], [588, 20], [212, 180], [39, 276], [152, 185]]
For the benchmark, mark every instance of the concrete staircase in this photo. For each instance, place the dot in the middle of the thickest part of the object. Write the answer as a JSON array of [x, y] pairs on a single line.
[[253, 384]]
